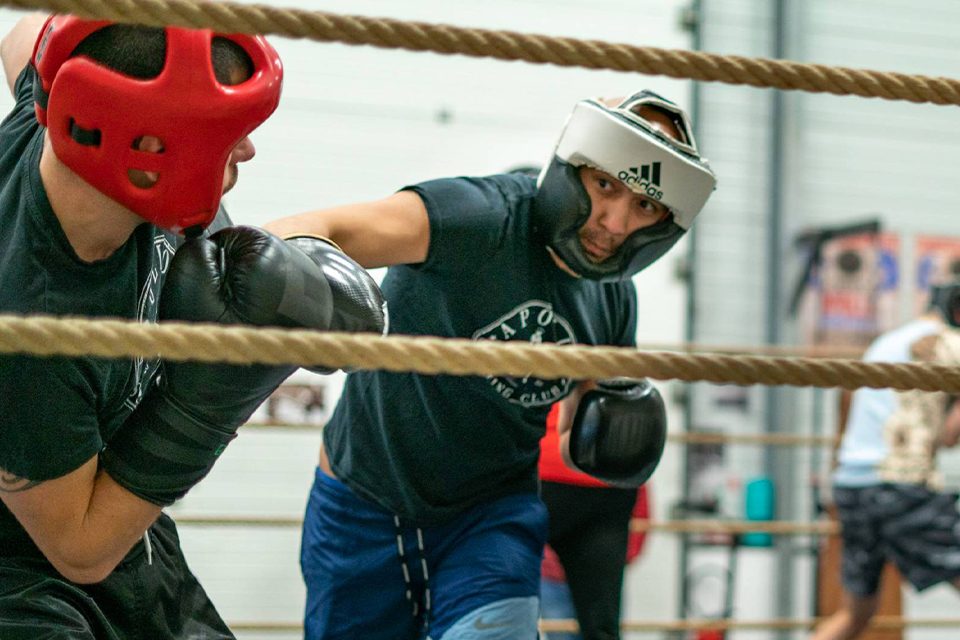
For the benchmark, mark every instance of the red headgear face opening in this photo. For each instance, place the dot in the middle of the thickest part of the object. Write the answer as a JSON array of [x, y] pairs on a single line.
[[95, 116]]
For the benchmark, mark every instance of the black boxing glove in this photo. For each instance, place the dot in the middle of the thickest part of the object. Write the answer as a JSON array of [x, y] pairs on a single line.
[[358, 303], [239, 275], [619, 431]]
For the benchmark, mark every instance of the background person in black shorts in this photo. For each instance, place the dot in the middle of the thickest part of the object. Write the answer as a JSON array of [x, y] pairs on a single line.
[[887, 489], [120, 137]]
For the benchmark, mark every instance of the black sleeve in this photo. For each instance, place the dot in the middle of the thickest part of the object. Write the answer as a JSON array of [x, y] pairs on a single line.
[[21, 124], [467, 218], [628, 316], [23, 87], [48, 417], [23, 95]]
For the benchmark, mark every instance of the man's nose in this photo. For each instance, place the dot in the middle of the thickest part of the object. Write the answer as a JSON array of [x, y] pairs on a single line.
[[615, 217], [244, 150]]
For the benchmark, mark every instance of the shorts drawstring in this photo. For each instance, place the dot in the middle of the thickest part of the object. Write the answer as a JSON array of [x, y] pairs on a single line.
[[148, 546], [426, 577], [406, 572]]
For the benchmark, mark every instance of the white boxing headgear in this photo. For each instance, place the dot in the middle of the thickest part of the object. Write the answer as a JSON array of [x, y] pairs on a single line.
[[623, 144]]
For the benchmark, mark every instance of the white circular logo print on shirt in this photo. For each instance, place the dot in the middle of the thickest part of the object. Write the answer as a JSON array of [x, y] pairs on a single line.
[[532, 321]]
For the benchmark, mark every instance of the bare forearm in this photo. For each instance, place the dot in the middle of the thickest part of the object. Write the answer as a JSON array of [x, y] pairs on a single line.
[[114, 521], [83, 522], [568, 406], [352, 239], [308, 223], [17, 46], [381, 233], [568, 409]]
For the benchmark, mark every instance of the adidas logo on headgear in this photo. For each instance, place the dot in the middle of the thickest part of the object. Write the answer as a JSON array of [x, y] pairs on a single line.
[[646, 176]]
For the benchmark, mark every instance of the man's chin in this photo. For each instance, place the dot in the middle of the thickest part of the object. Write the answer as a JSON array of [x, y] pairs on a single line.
[[597, 258], [231, 180], [593, 252]]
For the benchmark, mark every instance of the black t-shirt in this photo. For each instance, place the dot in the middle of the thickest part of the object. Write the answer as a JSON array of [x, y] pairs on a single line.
[[428, 447], [56, 413]]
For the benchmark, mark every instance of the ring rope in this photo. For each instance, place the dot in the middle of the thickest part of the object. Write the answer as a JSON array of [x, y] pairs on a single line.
[[729, 624], [391, 33], [731, 527], [689, 437], [701, 624], [810, 351], [737, 527], [108, 338], [767, 439]]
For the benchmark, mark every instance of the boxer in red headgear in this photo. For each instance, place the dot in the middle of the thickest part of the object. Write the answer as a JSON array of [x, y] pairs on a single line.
[[95, 117], [121, 142]]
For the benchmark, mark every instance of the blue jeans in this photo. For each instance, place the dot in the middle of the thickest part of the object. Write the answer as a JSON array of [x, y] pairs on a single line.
[[370, 575]]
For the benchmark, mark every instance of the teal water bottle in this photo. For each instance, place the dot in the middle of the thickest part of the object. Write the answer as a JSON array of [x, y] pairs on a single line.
[[759, 501]]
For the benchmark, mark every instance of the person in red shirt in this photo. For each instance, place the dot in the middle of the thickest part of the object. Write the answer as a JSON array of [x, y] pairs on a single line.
[[588, 546]]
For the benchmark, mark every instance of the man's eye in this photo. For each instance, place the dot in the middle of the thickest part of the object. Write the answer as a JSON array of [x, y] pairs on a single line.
[[649, 208], [603, 182]]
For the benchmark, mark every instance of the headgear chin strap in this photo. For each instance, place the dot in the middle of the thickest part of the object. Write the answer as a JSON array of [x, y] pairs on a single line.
[[95, 116], [624, 145], [946, 299]]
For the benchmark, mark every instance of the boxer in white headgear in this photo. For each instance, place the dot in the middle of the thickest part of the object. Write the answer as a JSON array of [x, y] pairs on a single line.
[[426, 484], [622, 142]]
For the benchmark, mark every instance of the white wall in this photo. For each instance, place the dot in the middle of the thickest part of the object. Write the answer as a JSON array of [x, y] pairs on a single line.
[[730, 295], [357, 123], [730, 274]]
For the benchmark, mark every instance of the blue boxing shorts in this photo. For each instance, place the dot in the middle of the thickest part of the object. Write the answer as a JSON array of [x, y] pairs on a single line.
[[371, 575]]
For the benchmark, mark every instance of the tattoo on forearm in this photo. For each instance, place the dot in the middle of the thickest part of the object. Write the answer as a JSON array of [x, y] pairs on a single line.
[[10, 483]]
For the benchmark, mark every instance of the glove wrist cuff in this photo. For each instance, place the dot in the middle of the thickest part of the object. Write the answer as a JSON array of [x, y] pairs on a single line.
[[160, 451]]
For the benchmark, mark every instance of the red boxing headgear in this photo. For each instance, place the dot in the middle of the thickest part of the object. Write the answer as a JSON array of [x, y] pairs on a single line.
[[94, 116]]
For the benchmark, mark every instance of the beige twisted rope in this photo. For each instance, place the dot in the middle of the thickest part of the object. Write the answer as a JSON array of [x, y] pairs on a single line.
[[763, 439], [508, 45], [729, 624], [653, 626], [242, 345], [735, 527], [810, 351], [774, 527]]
